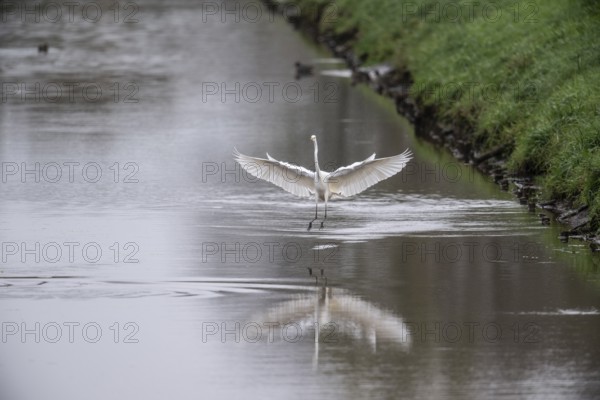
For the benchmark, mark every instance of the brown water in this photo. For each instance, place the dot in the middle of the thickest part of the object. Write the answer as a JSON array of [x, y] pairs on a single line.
[[173, 274]]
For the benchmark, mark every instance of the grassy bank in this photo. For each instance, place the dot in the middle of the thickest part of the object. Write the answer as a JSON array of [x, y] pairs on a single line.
[[522, 73]]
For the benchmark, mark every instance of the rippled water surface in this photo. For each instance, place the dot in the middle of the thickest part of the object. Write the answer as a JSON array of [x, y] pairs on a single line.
[[152, 267]]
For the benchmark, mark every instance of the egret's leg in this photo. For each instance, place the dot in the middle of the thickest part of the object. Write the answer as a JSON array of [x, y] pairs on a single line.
[[322, 222], [316, 211]]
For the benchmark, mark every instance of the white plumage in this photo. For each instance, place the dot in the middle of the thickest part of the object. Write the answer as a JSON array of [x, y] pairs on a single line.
[[343, 182]]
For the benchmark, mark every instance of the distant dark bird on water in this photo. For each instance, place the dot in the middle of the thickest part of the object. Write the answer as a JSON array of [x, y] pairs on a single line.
[[343, 182], [43, 48], [303, 69]]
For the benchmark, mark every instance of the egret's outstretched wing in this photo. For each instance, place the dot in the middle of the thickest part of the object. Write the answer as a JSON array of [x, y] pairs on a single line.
[[291, 178], [353, 179]]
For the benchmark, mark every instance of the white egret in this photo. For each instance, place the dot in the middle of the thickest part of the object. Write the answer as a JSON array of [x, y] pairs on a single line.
[[343, 182]]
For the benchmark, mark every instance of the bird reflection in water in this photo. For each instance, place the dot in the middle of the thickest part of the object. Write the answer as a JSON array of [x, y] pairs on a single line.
[[335, 315]]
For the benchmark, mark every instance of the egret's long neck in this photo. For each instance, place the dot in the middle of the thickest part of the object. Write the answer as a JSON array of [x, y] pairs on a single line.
[[317, 170]]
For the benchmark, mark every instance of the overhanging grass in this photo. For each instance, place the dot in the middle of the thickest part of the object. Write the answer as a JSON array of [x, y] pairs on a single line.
[[528, 76]]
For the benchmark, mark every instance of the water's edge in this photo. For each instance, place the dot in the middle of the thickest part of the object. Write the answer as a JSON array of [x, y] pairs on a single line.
[[395, 84]]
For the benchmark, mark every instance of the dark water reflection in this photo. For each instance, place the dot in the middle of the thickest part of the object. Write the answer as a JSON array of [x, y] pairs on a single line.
[[432, 284]]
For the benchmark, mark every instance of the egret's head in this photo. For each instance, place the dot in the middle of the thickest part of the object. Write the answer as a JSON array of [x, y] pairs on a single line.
[[313, 138]]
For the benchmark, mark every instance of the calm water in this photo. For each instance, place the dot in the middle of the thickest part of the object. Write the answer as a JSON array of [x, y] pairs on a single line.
[[139, 262]]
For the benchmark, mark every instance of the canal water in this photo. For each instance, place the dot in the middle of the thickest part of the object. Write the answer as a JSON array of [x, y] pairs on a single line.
[[139, 261]]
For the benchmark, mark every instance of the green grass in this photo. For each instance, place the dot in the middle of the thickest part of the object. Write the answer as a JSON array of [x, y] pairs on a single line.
[[530, 76]]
